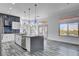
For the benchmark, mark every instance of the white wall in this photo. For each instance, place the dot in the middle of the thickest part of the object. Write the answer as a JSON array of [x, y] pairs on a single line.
[[53, 24]]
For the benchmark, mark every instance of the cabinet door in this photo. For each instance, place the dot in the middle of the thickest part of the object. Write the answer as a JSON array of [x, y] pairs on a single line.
[[5, 38], [18, 39], [7, 29], [23, 42], [7, 20]]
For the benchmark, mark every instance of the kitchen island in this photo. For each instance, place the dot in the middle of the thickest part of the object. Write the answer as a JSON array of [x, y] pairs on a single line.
[[32, 43]]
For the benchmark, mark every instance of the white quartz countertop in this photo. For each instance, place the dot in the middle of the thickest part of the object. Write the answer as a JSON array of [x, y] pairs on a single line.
[[32, 35]]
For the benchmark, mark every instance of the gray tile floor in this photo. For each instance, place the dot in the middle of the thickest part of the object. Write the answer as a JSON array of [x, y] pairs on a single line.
[[52, 48]]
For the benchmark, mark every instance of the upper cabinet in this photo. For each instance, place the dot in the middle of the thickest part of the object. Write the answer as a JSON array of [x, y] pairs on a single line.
[[6, 23], [6, 20]]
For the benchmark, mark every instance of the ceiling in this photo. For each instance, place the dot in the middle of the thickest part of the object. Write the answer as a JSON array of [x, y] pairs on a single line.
[[43, 9]]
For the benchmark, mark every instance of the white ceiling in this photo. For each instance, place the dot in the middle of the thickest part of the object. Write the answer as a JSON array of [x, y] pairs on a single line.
[[43, 9]]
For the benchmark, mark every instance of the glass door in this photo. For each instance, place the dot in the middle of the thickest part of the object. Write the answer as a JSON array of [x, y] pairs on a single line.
[[43, 30]]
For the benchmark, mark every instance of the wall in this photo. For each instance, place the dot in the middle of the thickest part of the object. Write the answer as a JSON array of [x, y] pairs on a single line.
[[53, 24]]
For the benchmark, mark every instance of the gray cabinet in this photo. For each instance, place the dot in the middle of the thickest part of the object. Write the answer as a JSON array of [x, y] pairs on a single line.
[[6, 23], [34, 43]]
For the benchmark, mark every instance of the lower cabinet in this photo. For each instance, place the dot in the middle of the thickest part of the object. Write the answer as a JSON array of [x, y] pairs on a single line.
[[30, 43], [7, 37], [23, 42], [35, 43], [18, 39]]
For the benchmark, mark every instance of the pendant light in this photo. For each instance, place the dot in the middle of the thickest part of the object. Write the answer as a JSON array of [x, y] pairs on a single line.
[[29, 15], [24, 13], [35, 13]]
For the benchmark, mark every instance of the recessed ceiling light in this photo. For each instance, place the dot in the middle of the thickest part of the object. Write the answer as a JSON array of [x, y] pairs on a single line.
[[13, 3], [10, 8]]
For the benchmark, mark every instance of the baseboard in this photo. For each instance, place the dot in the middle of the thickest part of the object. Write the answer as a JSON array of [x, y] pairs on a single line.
[[63, 41]]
